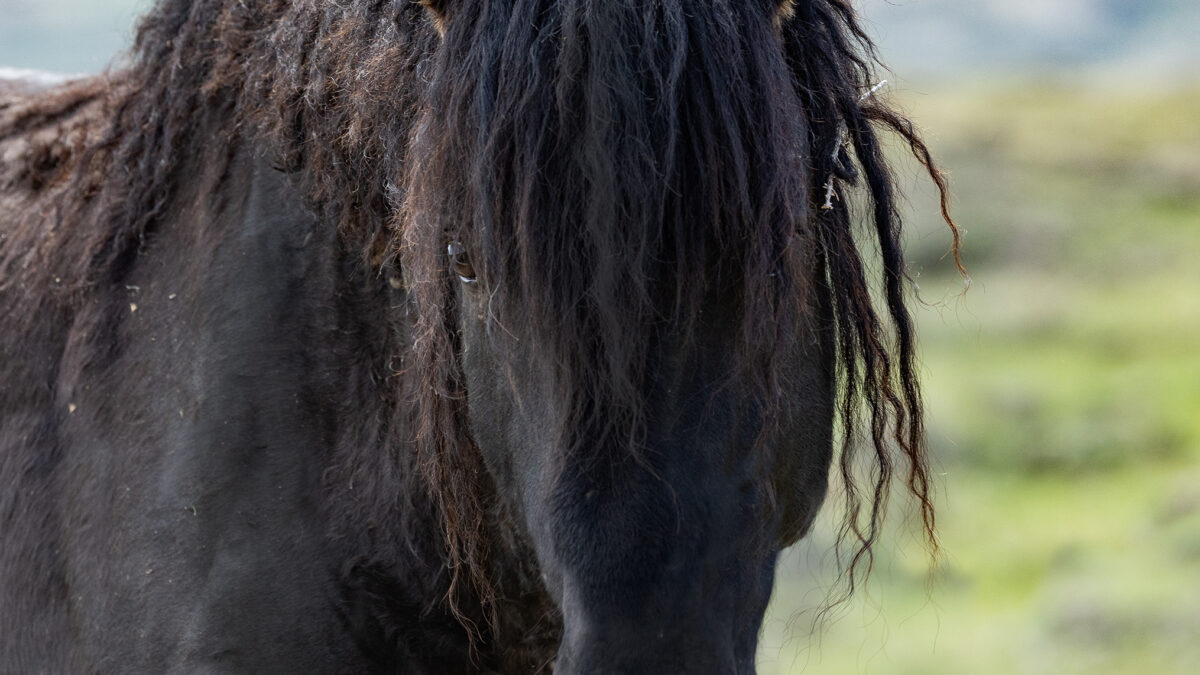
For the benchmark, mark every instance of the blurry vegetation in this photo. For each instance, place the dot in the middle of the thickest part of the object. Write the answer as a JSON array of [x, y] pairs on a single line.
[[1064, 402]]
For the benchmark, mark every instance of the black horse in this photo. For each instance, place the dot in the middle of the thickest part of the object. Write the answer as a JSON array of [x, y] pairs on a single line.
[[477, 336]]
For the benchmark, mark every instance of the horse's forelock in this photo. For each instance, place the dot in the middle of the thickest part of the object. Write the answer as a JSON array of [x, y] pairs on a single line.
[[608, 165]]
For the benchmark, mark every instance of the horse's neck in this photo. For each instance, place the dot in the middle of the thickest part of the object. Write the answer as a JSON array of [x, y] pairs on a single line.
[[241, 367], [317, 320]]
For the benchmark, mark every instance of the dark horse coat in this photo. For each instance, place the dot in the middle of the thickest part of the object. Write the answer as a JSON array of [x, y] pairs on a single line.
[[483, 336]]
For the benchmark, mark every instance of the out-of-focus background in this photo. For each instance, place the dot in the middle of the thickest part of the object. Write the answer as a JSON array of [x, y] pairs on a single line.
[[1063, 388]]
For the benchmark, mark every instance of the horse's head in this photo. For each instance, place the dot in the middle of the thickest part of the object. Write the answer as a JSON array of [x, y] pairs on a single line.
[[628, 300], [639, 302]]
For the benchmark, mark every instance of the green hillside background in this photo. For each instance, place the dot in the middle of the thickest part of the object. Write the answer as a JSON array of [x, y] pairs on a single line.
[[1063, 386]]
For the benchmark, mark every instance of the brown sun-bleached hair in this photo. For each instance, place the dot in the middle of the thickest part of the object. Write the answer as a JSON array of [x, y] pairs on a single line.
[[497, 135]]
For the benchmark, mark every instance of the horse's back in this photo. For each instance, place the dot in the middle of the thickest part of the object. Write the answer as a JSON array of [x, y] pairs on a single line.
[[45, 130]]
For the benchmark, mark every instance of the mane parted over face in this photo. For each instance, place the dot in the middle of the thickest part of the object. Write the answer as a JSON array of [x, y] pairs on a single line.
[[614, 170], [601, 189]]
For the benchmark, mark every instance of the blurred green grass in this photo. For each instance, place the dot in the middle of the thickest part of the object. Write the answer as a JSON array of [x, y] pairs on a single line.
[[1063, 392]]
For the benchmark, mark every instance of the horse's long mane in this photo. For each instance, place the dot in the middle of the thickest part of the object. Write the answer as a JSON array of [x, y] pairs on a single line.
[[336, 92]]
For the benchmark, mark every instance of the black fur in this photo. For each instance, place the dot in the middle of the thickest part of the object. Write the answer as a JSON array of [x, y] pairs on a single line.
[[253, 420]]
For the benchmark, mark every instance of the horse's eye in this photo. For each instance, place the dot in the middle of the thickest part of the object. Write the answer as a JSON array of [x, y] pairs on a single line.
[[462, 263]]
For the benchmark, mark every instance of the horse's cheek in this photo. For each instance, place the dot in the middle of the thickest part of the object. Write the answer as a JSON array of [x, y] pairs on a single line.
[[500, 414]]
